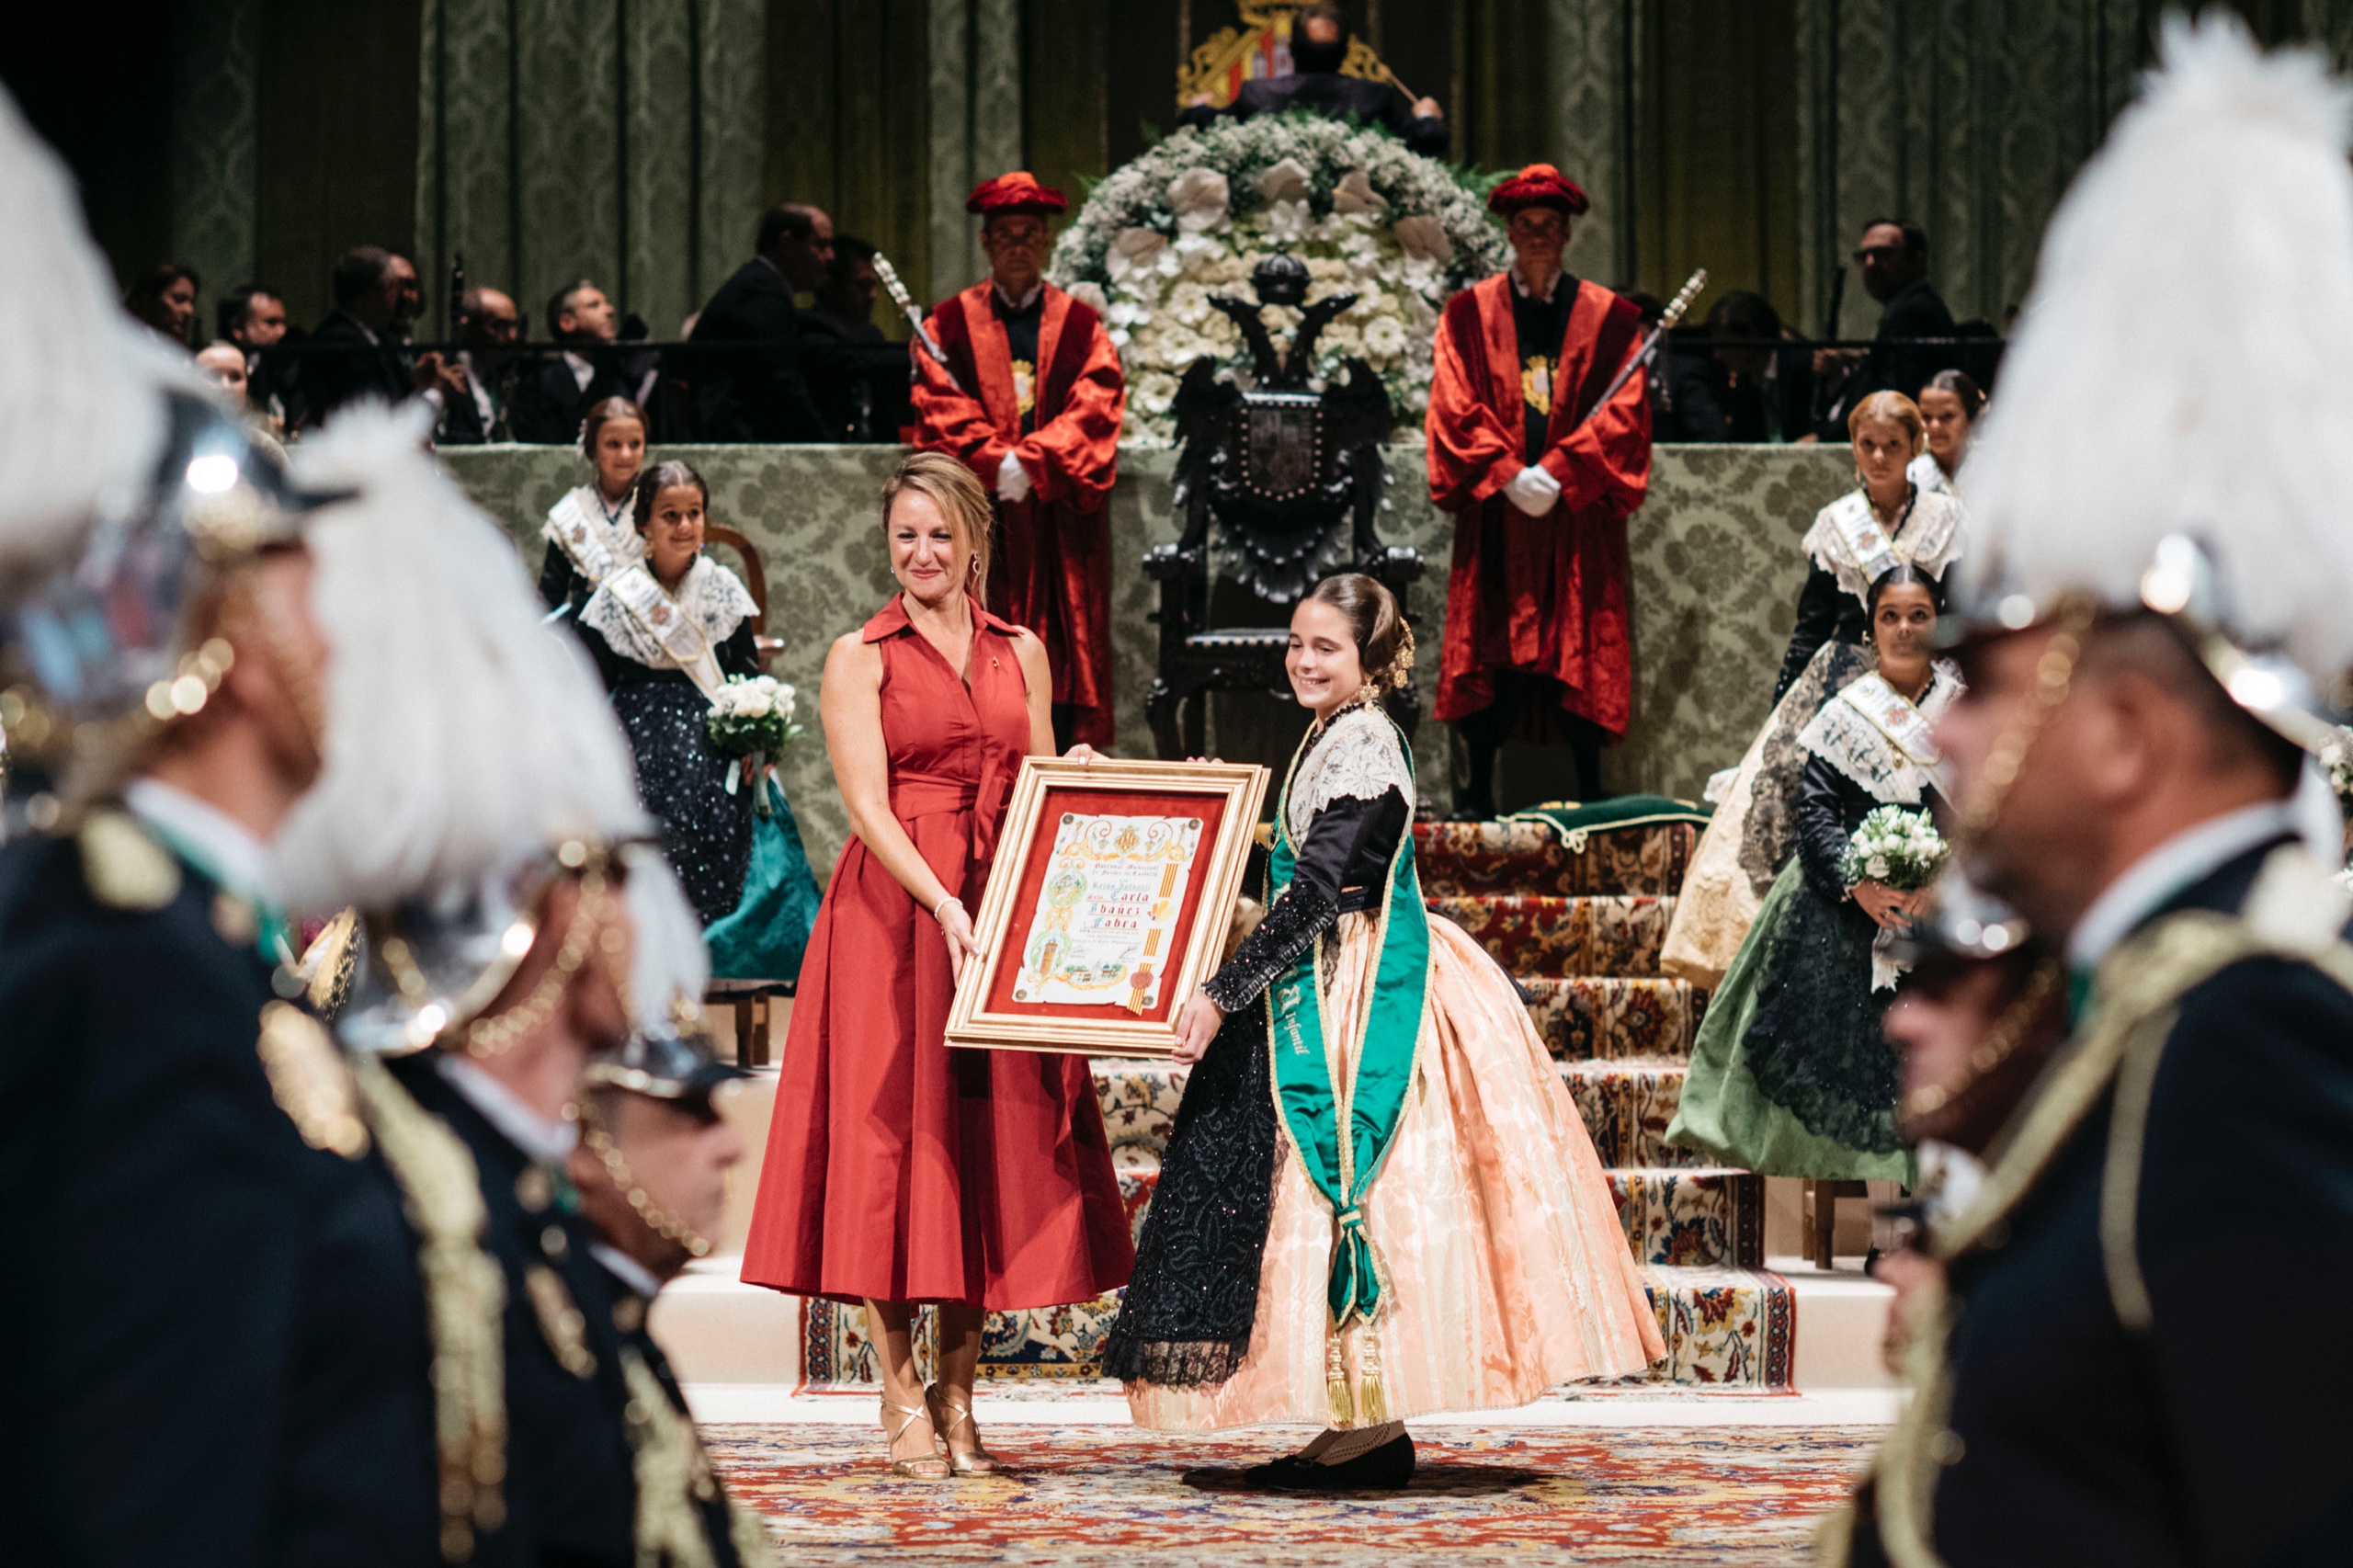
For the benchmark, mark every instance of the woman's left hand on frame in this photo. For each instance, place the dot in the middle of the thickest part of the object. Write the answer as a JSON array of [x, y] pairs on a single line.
[[1082, 752], [1196, 1026]]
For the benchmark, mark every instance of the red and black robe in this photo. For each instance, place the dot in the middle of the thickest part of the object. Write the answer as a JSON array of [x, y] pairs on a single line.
[[1546, 596], [1059, 413]]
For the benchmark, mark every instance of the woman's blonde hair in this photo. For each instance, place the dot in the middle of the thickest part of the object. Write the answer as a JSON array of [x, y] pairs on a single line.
[[1890, 406], [949, 484]]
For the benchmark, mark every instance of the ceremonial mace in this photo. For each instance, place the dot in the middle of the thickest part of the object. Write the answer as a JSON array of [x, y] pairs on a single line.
[[1649, 351]]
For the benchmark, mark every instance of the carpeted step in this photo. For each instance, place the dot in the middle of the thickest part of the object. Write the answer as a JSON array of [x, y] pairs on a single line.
[[1626, 1107], [1455, 859], [1616, 933], [1693, 1215], [1724, 1327], [1581, 1016]]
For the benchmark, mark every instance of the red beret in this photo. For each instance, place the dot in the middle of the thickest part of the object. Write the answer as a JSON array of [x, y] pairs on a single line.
[[1538, 185], [1017, 192]]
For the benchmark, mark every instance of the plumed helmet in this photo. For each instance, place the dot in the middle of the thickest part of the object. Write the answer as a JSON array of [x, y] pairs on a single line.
[[2174, 421]]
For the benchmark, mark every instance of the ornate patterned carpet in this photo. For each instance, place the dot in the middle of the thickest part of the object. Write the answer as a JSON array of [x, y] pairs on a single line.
[[1106, 1495], [1579, 922]]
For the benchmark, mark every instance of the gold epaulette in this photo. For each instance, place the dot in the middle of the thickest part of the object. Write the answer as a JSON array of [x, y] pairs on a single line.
[[123, 864], [465, 1302], [310, 1080], [2295, 911]]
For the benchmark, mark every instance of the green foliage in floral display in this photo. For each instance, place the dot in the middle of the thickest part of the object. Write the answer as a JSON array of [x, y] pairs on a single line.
[[1194, 214]]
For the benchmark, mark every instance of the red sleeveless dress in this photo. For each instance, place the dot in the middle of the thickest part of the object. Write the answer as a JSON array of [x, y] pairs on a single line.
[[898, 1169]]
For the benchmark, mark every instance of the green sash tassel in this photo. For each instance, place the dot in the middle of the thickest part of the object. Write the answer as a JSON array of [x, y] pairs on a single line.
[[1370, 1102]]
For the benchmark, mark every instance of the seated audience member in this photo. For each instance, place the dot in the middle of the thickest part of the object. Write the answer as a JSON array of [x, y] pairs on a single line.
[[164, 299], [1893, 256], [1736, 386], [760, 392], [1319, 46], [376, 303], [858, 377], [223, 364], [550, 399], [488, 325], [253, 316]]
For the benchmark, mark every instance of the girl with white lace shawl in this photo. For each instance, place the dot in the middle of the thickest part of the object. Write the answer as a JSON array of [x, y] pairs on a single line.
[[1458, 1249], [1791, 1075], [666, 632]]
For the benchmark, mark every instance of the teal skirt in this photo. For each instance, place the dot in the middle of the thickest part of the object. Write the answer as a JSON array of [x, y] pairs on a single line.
[[1728, 1115], [768, 931]]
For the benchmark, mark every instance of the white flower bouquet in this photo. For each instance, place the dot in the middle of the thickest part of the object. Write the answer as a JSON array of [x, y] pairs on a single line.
[[752, 716], [1194, 214], [1896, 846], [2336, 761]]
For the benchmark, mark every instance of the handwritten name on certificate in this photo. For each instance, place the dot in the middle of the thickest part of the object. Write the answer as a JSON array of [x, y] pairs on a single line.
[[1106, 912]]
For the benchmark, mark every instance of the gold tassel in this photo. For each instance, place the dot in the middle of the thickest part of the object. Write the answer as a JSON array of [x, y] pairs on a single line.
[[1372, 1400], [1336, 1379]]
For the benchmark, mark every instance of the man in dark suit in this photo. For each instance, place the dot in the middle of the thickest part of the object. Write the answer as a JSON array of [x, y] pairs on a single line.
[[1740, 388], [1895, 260], [858, 377], [551, 400], [488, 325], [760, 392], [359, 350], [1319, 46], [253, 316]]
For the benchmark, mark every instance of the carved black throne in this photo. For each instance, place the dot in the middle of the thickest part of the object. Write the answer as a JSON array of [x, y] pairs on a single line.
[[1292, 480]]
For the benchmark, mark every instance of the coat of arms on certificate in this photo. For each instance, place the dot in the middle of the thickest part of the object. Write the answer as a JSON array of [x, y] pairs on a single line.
[[1103, 926], [1113, 890]]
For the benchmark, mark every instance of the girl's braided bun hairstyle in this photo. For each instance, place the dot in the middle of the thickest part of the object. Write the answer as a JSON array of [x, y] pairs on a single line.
[[1384, 642]]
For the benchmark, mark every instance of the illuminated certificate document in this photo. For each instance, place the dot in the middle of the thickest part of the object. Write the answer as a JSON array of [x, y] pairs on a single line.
[[1107, 913]]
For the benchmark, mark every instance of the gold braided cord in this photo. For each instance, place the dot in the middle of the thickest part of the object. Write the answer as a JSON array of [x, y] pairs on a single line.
[[496, 1036], [675, 1483], [2054, 676], [465, 1303], [598, 1138], [2001, 1043]]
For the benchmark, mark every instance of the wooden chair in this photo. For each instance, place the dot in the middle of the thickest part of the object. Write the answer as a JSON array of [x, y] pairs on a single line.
[[755, 579], [1821, 1205]]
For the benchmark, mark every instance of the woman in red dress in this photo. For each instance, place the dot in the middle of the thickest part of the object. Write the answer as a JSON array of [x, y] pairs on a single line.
[[900, 1172]]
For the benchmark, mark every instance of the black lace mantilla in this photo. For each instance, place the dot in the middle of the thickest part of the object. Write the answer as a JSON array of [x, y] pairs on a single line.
[[1815, 1044], [1299, 916], [1194, 1294]]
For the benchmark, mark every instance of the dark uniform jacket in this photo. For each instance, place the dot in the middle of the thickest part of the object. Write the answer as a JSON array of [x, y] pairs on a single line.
[[354, 368], [549, 402], [759, 392], [218, 1332], [2224, 1434], [1335, 96], [570, 1490]]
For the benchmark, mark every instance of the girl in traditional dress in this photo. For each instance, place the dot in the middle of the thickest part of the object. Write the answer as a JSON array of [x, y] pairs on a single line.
[[1791, 1075], [666, 632], [898, 1172], [1885, 521], [1458, 1248], [1950, 405], [589, 532]]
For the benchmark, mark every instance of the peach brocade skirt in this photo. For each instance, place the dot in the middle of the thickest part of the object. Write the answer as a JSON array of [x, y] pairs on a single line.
[[1504, 1269]]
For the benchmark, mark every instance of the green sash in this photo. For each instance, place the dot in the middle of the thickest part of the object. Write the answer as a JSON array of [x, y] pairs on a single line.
[[1370, 1102]]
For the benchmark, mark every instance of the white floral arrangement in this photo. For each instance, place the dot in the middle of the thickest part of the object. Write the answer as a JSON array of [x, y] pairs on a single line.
[[1895, 846], [2336, 761], [1193, 215], [752, 717]]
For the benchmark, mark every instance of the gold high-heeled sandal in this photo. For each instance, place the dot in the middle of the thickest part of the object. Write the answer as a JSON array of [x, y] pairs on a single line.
[[979, 1460], [931, 1467]]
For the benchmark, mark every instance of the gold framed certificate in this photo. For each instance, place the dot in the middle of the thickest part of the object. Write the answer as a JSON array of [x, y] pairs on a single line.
[[1108, 903]]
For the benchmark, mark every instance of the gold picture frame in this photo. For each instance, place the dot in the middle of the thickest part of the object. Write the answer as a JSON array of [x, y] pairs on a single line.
[[1221, 799]]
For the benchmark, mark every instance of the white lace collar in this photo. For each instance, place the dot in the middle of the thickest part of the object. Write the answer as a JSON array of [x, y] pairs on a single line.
[[613, 529], [710, 595], [1930, 538], [1842, 735], [1358, 757]]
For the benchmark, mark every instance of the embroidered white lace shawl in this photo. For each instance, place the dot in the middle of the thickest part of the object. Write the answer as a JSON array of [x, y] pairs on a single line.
[[1357, 759], [1929, 475], [1930, 540], [711, 594], [620, 536], [1840, 735]]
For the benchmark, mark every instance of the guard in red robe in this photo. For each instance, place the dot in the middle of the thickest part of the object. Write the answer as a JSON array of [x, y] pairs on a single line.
[[1541, 476], [1031, 396]]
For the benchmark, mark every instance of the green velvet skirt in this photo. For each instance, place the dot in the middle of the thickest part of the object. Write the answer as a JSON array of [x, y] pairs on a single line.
[[1811, 1091]]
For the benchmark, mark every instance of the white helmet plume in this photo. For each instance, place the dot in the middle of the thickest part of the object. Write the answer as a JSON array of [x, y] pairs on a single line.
[[2182, 365]]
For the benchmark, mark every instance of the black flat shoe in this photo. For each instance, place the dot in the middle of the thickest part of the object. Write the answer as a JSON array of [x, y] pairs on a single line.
[[1385, 1468]]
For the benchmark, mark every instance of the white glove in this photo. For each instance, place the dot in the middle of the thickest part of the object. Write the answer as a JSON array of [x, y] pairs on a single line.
[[1013, 480], [1533, 491]]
